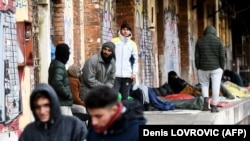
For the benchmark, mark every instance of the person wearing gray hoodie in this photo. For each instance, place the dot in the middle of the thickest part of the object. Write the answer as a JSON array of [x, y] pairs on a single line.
[[210, 61], [49, 123], [99, 69]]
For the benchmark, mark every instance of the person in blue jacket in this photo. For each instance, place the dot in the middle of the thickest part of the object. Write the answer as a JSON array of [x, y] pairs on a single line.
[[110, 119]]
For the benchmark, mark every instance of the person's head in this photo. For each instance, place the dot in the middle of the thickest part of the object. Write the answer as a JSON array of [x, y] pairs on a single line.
[[44, 103], [172, 74], [101, 103], [74, 70], [227, 74], [42, 107], [210, 30], [108, 51], [62, 52], [126, 29]]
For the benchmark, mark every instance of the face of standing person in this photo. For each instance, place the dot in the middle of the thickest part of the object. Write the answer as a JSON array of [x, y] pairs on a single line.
[[125, 32], [42, 109], [100, 117]]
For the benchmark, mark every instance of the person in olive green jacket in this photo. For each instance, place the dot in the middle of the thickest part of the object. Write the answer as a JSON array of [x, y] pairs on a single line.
[[58, 78], [210, 61]]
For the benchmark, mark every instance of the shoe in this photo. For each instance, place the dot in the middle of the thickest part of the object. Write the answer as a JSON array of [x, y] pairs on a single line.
[[214, 109], [206, 104]]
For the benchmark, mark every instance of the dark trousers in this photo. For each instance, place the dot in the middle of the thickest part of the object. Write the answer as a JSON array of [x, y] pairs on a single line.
[[123, 86]]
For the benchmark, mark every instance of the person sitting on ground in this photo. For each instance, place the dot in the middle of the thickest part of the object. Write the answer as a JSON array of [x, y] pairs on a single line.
[[99, 69], [111, 119], [179, 85], [232, 76], [74, 72], [49, 122], [78, 107]]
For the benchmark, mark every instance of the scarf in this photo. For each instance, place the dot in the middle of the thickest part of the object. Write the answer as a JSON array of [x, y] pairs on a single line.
[[112, 120]]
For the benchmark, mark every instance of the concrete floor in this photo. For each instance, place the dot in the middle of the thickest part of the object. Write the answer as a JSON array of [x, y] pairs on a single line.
[[238, 113]]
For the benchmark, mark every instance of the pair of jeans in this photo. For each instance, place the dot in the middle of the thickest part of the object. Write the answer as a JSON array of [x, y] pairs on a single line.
[[123, 85]]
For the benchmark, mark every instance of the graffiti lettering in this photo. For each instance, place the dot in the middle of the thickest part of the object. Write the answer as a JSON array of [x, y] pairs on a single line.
[[21, 3]]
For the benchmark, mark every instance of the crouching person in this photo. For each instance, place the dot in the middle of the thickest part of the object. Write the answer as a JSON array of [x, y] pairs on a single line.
[[50, 124], [111, 119]]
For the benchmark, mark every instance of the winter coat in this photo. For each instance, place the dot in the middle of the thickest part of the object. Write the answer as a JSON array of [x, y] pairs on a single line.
[[75, 86], [58, 79], [94, 74], [125, 128], [176, 83], [209, 51], [124, 48], [58, 128]]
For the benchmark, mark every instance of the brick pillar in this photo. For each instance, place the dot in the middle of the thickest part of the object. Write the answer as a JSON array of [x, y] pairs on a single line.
[[58, 22], [92, 26], [200, 17], [183, 34], [125, 11], [160, 27], [77, 30]]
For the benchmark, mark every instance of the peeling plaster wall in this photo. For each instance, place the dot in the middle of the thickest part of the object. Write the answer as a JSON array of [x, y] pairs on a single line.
[[171, 57], [68, 28], [11, 94]]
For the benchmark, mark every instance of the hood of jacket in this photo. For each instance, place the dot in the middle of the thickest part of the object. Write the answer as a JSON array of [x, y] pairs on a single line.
[[62, 52], [210, 30], [124, 38], [55, 112]]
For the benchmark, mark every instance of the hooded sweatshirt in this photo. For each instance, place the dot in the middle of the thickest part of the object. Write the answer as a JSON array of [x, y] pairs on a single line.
[[209, 51], [58, 128]]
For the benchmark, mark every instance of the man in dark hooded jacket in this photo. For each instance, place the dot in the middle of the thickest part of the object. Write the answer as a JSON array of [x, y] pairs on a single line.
[[112, 120], [58, 78], [50, 124], [210, 61]]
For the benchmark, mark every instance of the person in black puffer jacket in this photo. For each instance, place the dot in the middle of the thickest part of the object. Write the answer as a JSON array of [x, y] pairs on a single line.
[[210, 61], [58, 78]]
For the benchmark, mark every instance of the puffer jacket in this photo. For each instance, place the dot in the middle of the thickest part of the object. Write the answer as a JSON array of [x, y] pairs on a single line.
[[94, 74], [58, 128], [209, 51], [124, 48], [58, 79]]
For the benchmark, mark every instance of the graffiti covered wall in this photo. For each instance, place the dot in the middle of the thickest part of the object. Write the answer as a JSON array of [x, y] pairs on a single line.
[[10, 101], [143, 38], [171, 44], [68, 28], [107, 21], [22, 7]]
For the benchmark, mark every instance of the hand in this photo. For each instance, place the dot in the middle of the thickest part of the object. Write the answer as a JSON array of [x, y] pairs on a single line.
[[133, 78]]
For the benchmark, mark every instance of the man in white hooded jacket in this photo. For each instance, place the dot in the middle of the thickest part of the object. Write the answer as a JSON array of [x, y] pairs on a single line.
[[126, 60]]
